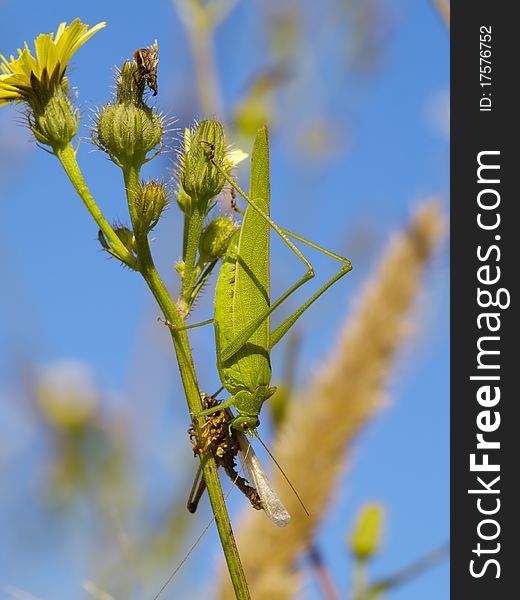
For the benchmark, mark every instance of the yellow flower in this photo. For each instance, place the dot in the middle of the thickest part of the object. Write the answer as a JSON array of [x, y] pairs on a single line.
[[235, 157], [25, 77]]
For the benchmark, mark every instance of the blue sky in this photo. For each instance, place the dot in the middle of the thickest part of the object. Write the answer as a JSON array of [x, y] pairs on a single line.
[[63, 300]]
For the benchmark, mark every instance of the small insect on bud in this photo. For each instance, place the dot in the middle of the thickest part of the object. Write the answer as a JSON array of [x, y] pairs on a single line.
[[216, 238], [366, 536], [147, 60], [149, 204]]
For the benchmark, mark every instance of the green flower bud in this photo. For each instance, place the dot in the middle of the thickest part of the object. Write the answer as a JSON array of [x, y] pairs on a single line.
[[127, 133], [124, 234], [216, 238], [204, 148], [149, 204], [127, 237], [180, 267], [128, 129], [53, 120], [366, 535], [129, 87]]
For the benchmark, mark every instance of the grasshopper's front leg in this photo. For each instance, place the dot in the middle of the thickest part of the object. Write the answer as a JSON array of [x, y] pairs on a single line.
[[209, 411], [241, 423]]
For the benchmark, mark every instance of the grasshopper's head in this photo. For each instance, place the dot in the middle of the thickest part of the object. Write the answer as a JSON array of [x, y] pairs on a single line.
[[245, 423], [249, 405]]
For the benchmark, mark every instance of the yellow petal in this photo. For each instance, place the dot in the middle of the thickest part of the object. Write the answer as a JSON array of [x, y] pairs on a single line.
[[236, 156], [60, 31], [45, 54]]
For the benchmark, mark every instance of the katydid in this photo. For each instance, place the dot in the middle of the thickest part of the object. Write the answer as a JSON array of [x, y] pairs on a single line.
[[242, 299], [242, 323]]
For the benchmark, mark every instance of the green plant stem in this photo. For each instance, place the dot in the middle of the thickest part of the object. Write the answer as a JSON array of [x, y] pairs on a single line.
[[412, 571], [196, 221], [191, 389], [67, 158], [359, 583], [132, 177]]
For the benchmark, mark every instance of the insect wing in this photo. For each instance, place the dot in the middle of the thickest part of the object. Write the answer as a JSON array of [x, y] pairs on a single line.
[[272, 505]]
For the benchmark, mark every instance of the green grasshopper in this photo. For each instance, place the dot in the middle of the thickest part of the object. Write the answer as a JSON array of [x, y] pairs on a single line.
[[242, 300], [242, 326]]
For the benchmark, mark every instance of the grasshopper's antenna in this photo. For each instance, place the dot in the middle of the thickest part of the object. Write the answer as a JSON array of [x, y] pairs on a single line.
[[283, 473], [179, 566]]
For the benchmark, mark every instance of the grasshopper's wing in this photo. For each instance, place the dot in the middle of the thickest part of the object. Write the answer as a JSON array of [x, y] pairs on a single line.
[[271, 503], [243, 288]]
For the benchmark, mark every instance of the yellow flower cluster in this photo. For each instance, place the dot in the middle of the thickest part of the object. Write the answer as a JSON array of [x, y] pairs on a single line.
[[21, 78]]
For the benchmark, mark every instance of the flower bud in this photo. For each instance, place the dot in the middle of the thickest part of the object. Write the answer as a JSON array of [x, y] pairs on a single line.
[[129, 88], [124, 234], [127, 133], [149, 204], [366, 535], [128, 129], [180, 267], [216, 238], [54, 121], [204, 148]]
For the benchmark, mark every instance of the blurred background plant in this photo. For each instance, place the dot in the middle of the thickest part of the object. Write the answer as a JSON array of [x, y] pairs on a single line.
[[95, 463]]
